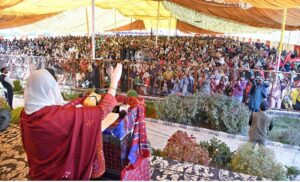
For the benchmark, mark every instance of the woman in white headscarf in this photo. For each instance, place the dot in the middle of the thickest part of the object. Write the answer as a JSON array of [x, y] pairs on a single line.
[[63, 141]]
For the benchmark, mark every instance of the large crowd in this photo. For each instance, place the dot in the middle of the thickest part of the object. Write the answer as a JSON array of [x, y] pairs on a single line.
[[179, 65]]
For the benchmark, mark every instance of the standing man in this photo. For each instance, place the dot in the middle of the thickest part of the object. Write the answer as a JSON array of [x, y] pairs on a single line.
[[260, 124], [8, 86], [258, 93]]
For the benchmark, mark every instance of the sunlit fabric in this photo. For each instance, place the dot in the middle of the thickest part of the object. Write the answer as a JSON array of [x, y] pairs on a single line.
[[187, 28], [8, 21], [136, 25], [8, 3], [274, 4], [138, 9], [262, 14], [74, 22], [269, 4], [212, 23], [257, 17], [36, 7]]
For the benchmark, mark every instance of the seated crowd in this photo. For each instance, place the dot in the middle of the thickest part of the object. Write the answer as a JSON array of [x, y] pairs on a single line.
[[179, 65]]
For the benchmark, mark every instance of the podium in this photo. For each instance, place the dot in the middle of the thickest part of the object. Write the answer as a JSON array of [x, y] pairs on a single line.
[[119, 146]]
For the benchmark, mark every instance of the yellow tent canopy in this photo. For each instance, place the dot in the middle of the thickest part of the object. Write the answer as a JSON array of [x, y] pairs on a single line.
[[263, 14], [136, 25], [180, 25]]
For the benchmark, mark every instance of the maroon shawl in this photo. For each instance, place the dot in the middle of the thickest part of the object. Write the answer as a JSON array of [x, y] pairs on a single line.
[[65, 142]]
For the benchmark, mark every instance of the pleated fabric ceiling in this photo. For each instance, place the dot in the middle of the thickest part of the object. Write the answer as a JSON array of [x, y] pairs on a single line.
[[257, 17], [269, 4], [260, 13], [180, 25], [75, 22], [136, 25], [187, 28]]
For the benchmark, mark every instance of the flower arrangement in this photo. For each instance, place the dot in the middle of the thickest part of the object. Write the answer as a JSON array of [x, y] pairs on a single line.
[[182, 147]]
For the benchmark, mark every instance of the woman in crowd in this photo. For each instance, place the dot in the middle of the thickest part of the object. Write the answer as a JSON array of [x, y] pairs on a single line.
[[63, 142], [296, 97], [276, 96], [238, 89]]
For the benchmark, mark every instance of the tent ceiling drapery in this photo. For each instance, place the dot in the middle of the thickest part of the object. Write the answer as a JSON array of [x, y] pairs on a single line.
[[8, 3], [136, 25], [211, 23], [274, 4], [257, 17], [187, 28], [36, 7], [269, 4], [8, 21], [139, 9], [74, 21], [14, 13], [180, 25]]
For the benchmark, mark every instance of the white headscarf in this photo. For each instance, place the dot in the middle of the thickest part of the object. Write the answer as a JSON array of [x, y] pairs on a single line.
[[41, 90]]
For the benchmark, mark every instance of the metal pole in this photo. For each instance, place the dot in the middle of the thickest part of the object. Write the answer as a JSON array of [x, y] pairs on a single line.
[[157, 21], [115, 11], [175, 26], [93, 30], [281, 39], [87, 21], [289, 37], [170, 19], [131, 24], [298, 39], [195, 79]]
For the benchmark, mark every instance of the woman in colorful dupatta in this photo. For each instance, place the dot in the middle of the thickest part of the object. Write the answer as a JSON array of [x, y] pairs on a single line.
[[63, 141]]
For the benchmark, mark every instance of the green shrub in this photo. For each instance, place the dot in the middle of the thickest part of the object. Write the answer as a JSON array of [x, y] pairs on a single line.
[[221, 112], [225, 114], [4, 104], [15, 115], [132, 93], [156, 152], [285, 130], [183, 148], [150, 109], [257, 161], [17, 86], [177, 109], [218, 151], [70, 95], [292, 172]]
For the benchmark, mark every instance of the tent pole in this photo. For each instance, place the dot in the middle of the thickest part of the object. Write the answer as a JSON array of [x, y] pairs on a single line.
[[281, 38], [175, 26], [157, 21], [298, 39], [289, 38], [93, 30], [115, 22], [87, 21], [170, 19], [131, 23]]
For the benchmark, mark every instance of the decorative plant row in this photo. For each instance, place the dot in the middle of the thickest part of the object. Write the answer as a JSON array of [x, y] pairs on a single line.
[[216, 112], [248, 159]]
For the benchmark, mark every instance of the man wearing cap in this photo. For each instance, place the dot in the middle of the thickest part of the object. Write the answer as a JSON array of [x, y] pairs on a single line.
[[260, 124], [8, 85]]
